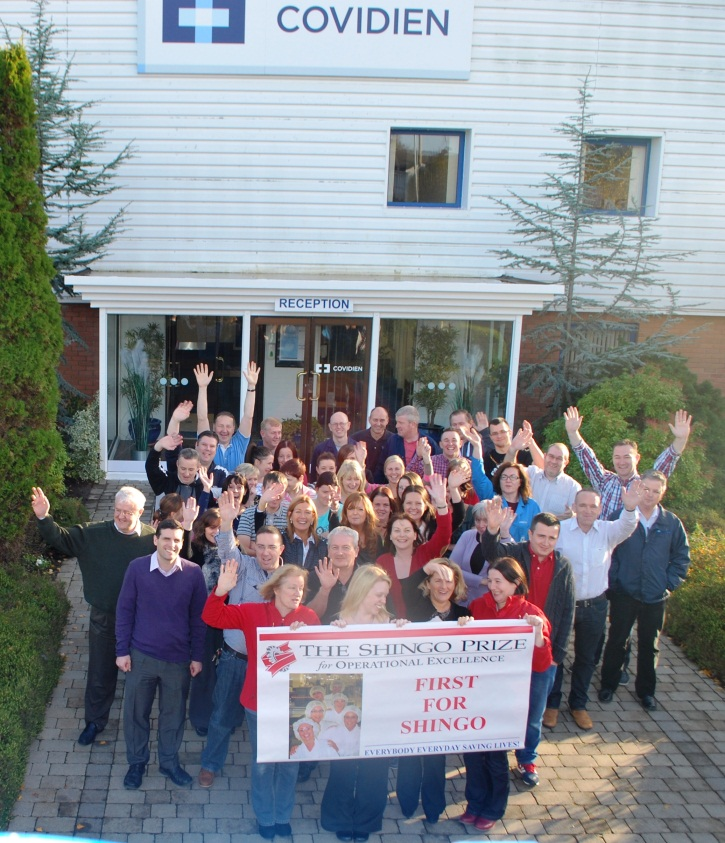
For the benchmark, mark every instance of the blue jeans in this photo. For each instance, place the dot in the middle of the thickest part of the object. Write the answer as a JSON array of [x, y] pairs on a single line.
[[273, 785], [541, 684], [589, 625], [227, 712]]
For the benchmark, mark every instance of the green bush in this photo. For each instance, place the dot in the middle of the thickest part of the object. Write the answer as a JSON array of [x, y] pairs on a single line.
[[84, 449], [33, 612], [70, 511], [696, 611]]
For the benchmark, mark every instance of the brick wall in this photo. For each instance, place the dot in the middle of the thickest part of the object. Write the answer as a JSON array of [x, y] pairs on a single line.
[[81, 366], [704, 354]]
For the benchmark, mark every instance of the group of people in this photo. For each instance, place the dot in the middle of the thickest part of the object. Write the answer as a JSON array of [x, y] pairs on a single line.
[[379, 527]]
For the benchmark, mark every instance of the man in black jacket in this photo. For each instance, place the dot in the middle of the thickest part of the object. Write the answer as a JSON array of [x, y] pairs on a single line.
[[182, 477], [551, 588]]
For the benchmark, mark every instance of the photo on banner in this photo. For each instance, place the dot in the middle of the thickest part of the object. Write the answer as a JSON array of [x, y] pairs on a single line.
[[367, 691]]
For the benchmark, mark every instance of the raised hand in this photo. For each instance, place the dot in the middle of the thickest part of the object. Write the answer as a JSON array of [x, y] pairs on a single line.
[[183, 411], [170, 442], [481, 421], [203, 375], [681, 428], [228, 572], [206, 481], [438, 491], [633, 495], [273, 492], [251, 374], [443, 571], [39, 502], [361, 453], [458, 477], [327, 575], [423, 449], [190, 512], [523, 437], [227, 510], [509, 516], [572, 420], [495, 514]]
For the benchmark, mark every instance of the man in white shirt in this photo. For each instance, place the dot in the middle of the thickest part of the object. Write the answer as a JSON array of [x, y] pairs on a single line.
[[551, 488], [588, 544]]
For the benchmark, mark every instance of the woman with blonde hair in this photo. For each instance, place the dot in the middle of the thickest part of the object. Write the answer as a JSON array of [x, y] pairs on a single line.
[[273, 785], [393, 469], [358, 513], [357, 789], [351, 478]]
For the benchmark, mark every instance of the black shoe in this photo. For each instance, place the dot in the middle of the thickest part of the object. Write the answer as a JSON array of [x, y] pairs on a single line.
[[266, 831], [360, 837], [88, 735], [606, 695], [202, 731], [177, 774], [431, 819], [345, 836], [649, 703], [133, 778], [305, 771], [283, 829]]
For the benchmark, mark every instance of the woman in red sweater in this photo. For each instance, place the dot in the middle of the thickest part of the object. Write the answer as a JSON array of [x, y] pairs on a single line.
[[487, 773], [409, 554], [273, 785]]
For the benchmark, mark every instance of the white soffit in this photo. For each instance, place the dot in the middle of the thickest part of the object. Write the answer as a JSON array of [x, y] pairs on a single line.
[[423, 298]]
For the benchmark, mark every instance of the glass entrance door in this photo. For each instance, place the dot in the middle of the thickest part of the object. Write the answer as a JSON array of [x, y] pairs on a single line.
[[311, 368]]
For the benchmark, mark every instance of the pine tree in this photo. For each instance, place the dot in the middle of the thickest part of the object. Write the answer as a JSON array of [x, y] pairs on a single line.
[[31, 337], [70, 178], [608, 265]]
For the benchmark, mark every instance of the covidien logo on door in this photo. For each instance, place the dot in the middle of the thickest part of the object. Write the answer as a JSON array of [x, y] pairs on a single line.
[[393, 38]]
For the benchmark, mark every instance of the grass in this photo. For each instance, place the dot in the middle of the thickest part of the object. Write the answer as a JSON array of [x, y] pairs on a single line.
[[33, 612]]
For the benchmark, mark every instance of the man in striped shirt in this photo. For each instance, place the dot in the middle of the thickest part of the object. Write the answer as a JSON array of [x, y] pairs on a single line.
[[625, 457]]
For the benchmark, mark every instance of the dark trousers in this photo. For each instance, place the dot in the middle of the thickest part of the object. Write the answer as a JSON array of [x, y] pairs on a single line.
[[355, 796], [650, 618], [102, 670], [487, 783], [171, 679], [201, 694], [589, 625], [422, 777]]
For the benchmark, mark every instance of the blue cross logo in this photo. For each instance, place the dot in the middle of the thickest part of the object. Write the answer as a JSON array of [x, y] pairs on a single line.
[[203, 21]]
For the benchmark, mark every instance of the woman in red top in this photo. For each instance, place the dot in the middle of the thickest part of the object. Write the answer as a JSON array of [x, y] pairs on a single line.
[[273, 785], [487, 773], [409, 554]]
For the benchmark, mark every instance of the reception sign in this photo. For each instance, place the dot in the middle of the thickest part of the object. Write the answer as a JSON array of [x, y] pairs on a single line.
[[377, 690], [385, 38]]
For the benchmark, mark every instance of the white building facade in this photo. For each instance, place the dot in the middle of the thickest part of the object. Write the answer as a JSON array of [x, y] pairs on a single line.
[[313, 183]]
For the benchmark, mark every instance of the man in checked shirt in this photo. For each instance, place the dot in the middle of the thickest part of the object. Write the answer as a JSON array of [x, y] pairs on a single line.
[[625, 457]]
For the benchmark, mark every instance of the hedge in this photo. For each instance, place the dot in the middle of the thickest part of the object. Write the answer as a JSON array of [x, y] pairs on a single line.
[[33, 612], [696, 611]]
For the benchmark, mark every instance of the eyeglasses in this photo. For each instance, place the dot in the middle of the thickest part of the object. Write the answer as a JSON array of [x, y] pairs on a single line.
[[510, 477], [128, 513]]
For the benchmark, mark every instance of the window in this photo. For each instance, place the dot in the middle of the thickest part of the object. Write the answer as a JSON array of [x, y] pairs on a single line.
[[615, 175], [426, 168]]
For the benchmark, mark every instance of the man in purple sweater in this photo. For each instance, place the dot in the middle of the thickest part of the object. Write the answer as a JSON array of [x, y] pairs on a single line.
[[159, 644]]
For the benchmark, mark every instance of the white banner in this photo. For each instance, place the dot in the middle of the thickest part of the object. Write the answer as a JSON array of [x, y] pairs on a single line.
[[383, 38], [423, 689]]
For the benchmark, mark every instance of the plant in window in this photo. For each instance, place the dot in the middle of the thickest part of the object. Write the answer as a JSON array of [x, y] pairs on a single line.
[[143, 359], [435, 363], [608, 265]]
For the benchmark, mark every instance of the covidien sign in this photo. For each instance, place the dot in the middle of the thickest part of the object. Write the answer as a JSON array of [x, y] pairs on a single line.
[[394, 38]]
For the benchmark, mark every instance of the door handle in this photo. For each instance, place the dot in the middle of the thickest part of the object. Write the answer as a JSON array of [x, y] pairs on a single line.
[[316, 382], [220, 369], [299, 394]]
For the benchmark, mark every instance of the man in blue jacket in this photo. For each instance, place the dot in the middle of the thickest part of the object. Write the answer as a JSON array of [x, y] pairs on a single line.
[[646, 569]]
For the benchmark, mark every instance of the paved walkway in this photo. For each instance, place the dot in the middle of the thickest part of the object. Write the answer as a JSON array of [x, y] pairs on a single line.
[[637, 778]]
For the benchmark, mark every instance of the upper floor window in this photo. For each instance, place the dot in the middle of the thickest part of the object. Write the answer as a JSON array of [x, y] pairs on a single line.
[[616, 173], [426, 168]]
